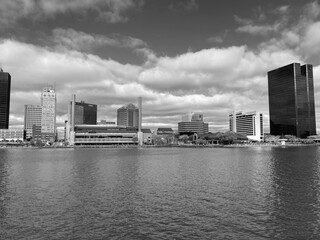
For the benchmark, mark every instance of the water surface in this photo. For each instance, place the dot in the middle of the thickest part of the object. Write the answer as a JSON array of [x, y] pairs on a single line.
[[160, 193]]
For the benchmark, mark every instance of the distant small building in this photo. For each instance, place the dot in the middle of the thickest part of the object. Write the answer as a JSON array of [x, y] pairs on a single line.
[[147, 135], [165, 131], [128, 116], [36, 133], [193, 123], [32, 116], [11, 134], [105, 122]]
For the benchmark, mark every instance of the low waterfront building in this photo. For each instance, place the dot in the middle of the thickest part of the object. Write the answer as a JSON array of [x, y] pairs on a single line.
[[249, 124], [107, 135], [11, 134], [165, 131], [103, 135], [147, 135]]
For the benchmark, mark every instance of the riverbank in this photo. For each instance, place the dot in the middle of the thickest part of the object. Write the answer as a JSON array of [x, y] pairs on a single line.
[[244, 145]]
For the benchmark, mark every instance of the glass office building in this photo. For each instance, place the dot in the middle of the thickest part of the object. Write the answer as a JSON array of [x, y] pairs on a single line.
[[85, 113], [5, 87], [128, 116], [291, 101]]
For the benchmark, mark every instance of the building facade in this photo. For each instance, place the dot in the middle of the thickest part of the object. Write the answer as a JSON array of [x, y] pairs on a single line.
[[5, 88], [192, 123], [104, 135], [48, 116], [249, 124], [32, 116], [291, 100], [85, 113], [128, 116], [165, 131], [11, 134]]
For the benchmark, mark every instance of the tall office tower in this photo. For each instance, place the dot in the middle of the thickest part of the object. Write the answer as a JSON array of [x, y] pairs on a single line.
[[48, 118], [291, 101], [128, 116], [85, 113], [32, 116], [193, 123], [5, 87], [249, 124]]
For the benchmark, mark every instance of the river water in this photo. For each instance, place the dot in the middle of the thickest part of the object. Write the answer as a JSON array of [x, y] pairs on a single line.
[[160, 193]]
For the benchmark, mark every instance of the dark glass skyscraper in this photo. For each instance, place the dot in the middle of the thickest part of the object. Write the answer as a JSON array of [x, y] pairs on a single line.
[[5, 87], [291, 100], [85, 113]]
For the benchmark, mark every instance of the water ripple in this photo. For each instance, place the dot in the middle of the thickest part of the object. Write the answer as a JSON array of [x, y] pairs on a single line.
[[236, 193]]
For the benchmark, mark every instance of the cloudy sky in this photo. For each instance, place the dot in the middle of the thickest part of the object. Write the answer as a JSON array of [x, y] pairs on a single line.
[[179, 55]]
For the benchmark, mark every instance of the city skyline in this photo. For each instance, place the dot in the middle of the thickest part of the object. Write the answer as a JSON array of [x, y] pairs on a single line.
[[173, 54]]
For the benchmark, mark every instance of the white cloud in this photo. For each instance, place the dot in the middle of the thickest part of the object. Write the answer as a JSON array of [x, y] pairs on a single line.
[[110, 84], [108, 10], [242, 21], [258, 29], [82, 41], [310, 43], [282, 9], [214, 81]]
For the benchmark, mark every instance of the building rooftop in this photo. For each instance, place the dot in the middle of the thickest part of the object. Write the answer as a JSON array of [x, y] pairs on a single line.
[[165, 129]]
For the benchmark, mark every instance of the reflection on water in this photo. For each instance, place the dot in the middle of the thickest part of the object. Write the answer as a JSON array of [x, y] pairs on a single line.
[[167, 193], [296, 182]]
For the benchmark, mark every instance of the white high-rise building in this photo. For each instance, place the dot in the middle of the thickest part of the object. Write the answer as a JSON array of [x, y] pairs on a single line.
[[249, 124], [32, 116], [48, 119]]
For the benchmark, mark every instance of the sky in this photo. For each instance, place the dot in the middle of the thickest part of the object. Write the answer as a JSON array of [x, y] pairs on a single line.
[[179, 55]]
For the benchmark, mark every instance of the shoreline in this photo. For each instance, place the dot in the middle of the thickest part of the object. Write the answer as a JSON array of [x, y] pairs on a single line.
[[2, 146]]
